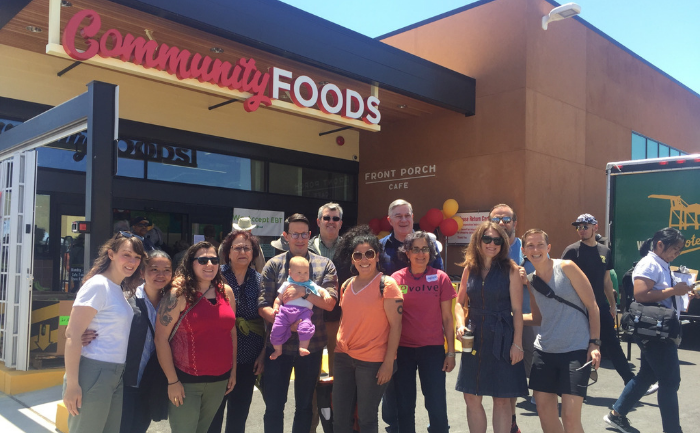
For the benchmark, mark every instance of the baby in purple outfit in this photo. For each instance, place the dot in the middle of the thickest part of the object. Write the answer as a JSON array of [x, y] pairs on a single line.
[[299, 309]]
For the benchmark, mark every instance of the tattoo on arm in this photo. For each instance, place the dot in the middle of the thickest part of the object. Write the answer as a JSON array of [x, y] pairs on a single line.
[[399, 309], [165, 309]]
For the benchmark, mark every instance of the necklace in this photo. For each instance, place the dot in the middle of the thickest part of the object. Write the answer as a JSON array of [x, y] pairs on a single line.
[[420, 275]]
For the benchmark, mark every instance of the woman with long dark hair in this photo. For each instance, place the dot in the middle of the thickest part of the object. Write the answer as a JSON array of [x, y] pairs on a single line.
[[427, 322], [369, 333], [92, 386], [199, 358], [654, 283], [239, 249], [491, 291]]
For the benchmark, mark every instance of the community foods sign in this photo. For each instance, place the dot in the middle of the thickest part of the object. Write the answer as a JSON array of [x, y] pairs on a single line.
[[240, 79]]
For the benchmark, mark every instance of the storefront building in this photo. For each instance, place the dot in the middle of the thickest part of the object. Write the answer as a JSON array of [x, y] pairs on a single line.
[[480, 105], [187, 113]]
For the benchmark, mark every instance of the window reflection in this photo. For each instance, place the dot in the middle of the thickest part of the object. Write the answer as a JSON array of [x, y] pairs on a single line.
[[308, 182]]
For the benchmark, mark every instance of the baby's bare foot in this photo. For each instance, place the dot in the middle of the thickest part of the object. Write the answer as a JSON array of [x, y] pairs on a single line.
[[277, 353], [303, 352]]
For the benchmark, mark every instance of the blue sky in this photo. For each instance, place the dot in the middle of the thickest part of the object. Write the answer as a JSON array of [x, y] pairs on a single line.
[[665, 33]]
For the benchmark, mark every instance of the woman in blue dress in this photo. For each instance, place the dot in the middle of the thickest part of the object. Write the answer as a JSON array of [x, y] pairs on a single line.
[[491, 294]]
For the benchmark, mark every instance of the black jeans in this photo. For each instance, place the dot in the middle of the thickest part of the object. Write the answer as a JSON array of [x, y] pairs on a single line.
[[238, 402], [611, 348], [276, 384], [136, 416], [356, 378], [428, 360]]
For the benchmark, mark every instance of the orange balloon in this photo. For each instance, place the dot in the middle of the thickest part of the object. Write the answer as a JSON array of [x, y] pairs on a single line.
[[450, 207], [460, 222], [383, 234]]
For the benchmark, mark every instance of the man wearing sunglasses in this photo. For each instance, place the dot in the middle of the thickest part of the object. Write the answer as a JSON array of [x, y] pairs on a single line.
[[139, 227], [594, 259], [504, 215], [306, 368]]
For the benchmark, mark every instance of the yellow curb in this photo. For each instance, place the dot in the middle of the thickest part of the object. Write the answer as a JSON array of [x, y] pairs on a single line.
[[13, 382]]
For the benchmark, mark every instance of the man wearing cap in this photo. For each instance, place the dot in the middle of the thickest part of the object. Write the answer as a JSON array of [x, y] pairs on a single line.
[[594, 259], [306, 368], [246, 224], [139, 227]]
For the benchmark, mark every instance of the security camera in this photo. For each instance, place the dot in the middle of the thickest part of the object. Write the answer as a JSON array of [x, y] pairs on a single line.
[[560, 13]]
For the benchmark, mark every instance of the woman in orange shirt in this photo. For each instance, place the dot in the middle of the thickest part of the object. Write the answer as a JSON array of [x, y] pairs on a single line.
[[370, 329]]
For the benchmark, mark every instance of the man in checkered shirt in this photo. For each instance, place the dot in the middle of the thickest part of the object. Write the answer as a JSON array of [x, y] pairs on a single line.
[[278, 371]]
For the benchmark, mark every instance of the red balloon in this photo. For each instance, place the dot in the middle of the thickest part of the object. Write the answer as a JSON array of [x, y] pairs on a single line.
[[375, 225], [425, 225], [384, 225], [449, 227], [434, 217]]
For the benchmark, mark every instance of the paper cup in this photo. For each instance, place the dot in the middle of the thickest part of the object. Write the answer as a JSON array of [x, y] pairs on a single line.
[[467, 343]]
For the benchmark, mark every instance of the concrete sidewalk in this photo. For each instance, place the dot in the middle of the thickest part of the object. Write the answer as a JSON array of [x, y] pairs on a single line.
[[35, 412]]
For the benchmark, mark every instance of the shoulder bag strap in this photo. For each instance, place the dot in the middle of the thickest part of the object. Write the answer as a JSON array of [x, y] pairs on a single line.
[[177, 325], [541, 286]]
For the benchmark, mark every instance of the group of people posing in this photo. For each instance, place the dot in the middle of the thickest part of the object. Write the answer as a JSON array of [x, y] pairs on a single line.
[[147, 342]]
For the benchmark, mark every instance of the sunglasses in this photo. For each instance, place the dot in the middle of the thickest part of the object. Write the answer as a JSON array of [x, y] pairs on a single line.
[[369, 254], [241, 250], [328, 218], [505, 220], [594, 373], [582, 227], [130, 235], [203, 260], [304, 235], [488, 239], [416, 250], [141, 225]]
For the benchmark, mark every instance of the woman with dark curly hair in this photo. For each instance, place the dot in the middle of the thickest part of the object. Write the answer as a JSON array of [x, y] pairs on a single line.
[[196, 340], [239, 249], [426, 324], [92, 387], [370, 328], [492, 292]]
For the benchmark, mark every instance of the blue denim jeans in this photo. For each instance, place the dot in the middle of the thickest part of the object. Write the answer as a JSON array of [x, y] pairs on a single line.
[[276, 385], [355, 381], [659, 363], [428, 360]]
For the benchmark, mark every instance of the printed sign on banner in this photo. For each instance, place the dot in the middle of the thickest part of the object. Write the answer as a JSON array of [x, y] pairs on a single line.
[[267, 222], [471, 222]]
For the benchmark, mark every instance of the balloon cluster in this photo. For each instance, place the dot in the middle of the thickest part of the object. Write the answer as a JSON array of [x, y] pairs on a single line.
[[444, 219]]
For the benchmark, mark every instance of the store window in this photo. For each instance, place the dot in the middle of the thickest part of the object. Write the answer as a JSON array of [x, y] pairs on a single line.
[[308, 182], [643, 148], [158, 161]]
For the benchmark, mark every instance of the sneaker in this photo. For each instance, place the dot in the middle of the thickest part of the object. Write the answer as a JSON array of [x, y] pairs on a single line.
[[619, 423], [514, 428], [532, 400], [652, 389]]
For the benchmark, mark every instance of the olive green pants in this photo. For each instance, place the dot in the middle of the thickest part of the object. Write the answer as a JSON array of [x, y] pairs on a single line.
[[101, 409], [202, 400]]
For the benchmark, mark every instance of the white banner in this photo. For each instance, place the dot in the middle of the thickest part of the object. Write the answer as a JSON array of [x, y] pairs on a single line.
[[267, 222], [471, 222]]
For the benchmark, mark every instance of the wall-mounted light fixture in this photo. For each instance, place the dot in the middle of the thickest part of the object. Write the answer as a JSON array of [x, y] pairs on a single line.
[[560, 13]]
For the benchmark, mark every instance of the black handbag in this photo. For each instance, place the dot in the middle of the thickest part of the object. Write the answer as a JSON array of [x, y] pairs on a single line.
[[652, 322]]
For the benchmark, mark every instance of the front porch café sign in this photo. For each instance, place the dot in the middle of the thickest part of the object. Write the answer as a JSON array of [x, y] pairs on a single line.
[[242, 76]]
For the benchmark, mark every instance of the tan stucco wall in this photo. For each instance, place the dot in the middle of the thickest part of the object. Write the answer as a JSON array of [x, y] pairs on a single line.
[[552, 108], [32, 77]]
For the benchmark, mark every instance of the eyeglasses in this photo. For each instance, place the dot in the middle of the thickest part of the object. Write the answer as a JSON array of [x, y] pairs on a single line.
[[141, 225], [203, 260], [594, 373], [328, 218], [424, 250], [488, 239], [505, 220], [130, 235], [242, 250], [304, 235], [369, 254], [582, 227]]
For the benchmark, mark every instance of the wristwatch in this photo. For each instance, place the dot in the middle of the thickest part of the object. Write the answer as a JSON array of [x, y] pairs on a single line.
[[306, 295], [595, 341]]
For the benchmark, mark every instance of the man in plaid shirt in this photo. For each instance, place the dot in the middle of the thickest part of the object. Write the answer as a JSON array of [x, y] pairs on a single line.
[[278, 371]]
